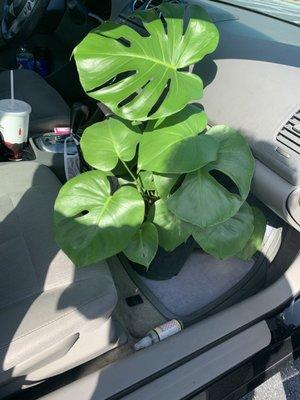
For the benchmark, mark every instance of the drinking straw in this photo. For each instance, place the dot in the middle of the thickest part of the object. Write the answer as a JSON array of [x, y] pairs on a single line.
[[12, 88]]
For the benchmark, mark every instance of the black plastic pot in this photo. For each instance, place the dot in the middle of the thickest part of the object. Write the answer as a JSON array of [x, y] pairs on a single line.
[[167, 264]]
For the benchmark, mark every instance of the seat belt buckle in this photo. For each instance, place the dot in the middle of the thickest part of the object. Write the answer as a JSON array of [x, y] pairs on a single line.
[[71, 157]]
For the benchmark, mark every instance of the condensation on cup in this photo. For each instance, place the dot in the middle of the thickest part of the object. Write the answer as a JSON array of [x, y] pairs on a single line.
[[14, 124]]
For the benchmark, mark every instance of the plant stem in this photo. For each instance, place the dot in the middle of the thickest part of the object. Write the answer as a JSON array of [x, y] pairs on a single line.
[[141, 182], [133, 177]]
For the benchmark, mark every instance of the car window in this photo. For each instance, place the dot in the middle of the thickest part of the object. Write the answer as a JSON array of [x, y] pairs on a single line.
[[288, 10]]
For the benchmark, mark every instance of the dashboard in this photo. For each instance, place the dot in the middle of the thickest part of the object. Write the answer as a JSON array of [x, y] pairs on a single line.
[[253, 85]]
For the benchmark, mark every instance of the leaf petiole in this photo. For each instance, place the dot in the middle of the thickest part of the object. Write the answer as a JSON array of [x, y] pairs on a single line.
[[140, 188]]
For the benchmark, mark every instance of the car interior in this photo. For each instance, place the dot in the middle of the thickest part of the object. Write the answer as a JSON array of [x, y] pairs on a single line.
[[69, 332]]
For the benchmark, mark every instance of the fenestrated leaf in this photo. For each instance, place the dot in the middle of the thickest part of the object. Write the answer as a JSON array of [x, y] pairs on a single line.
[[90, 223], [174, 145], [171, 230], [144, 245], [234, 157], [202, 200], [191, 119], [227, 239], [164, 183], [145, 66], [106, 142], [255, 241]]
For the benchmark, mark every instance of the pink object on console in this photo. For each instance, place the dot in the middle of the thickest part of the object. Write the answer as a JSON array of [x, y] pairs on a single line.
[[62, 131]]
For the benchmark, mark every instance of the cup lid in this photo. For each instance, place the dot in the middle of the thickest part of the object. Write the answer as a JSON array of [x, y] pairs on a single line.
[[9, 106]]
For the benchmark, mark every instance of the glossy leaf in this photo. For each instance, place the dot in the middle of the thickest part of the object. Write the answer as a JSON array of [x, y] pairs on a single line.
[[144, 245], [171, 230], [175, 146], [227, 239], [90, 223], [234, 157], [140, 77], [164, 183], [255, 242], [105, 143], [202, 200]]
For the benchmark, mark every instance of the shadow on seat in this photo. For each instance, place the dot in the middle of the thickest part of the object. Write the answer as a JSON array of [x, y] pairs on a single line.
[[53, 316]]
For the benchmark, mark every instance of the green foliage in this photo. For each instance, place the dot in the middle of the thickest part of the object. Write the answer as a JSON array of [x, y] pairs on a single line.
[[201, 191], [118, 141], [255, 241], [144, 245], [158, 182], [154, 62], [228, 238], [172, 231], [91, 223], [164, 184], [175, 146]]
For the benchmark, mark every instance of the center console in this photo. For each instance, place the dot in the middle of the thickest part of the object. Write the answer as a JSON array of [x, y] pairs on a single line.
[[54, 143], [49, 148]]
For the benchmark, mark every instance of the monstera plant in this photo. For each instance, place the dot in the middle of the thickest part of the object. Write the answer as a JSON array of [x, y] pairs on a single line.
[[158, 174]]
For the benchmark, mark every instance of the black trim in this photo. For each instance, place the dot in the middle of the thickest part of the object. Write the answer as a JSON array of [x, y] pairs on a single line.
[[182, 361], [251, 373]]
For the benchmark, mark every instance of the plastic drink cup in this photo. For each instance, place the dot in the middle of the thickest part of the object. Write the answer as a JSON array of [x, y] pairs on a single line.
[[14, 123]]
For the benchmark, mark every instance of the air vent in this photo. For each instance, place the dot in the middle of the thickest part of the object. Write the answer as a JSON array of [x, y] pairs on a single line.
[[289, 135]]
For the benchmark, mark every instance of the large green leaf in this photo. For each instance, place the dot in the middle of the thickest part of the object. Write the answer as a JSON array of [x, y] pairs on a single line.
[[255, 241], [204, 201], [105, 143], [227, 239], [144, 245], [91, 224], [174, 146], [234, 157], [171, 230], [141, 77]]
